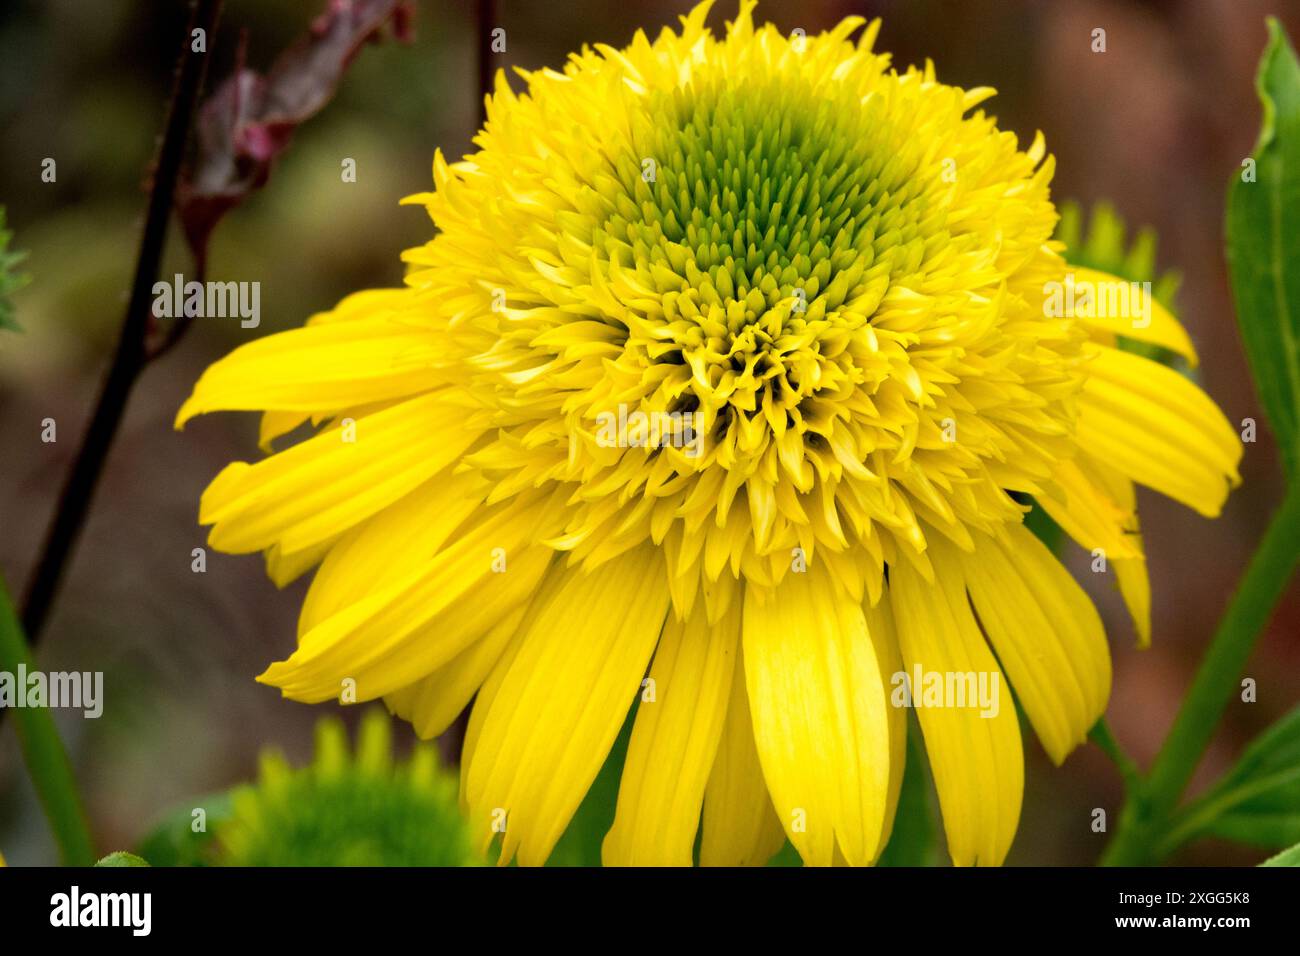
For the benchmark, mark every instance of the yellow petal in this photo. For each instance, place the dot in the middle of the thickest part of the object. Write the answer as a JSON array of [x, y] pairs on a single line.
[[1160, 328], [828, 740], [1088, 514], [284, 568], [1046, 633], [433, 702], [740, 825], [557, 707], [325, 485], [319, 368], [976, 760], [404, 535], [1134, 583], [1159, 429], [1098, 509], [1135, 588], [673, 743], [880, 622], [275, 424], [424, 617]]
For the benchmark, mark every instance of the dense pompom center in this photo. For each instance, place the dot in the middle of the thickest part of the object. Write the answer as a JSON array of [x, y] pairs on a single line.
[[770, 295]]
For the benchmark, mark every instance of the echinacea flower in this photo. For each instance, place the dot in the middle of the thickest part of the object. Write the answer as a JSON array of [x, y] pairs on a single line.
[[725, 384]]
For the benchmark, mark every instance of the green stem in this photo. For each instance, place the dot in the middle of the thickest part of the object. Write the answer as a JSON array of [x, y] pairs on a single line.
[[1216, 683], [47, 761]]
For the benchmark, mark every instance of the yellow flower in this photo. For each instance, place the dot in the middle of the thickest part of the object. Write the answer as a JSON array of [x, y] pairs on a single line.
[[736, 360]]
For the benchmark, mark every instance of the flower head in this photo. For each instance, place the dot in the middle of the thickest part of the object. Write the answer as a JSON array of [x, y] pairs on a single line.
[[736, 359]]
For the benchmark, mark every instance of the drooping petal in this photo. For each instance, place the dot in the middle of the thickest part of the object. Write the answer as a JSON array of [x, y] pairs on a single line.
[[403, 536], [557, 707], [1088, 514], [828, 740], [433, 702], [1046, 633], [1158, 429], [976, 760], [1098, 509], [1135, 588], [740, 825], [426, 615], [1158, 328], [674, 741], [880, 622]]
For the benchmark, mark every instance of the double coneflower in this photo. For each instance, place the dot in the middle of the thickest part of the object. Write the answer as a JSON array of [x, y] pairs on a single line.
[[831, 278]]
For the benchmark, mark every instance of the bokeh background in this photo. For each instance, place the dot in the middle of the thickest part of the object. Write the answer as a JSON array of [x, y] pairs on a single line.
[[1156, 125]]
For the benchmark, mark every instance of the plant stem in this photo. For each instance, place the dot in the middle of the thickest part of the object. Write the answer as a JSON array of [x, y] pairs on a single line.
[[1216, 682], [131, 355], [47, 761]]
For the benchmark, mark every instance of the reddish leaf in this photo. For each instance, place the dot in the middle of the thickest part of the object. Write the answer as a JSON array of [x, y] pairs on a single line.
[[249, 120]]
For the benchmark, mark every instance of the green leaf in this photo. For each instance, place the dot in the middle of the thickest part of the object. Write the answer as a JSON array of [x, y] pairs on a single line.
[[1259, 824], [913, 841], [1289, 857], [1263, 228], [121, 858], [1257, 801]]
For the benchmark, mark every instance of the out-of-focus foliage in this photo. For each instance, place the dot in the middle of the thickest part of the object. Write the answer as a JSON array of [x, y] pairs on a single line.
[[10, 279], [181, 840], [1289, 857], [1258, 801], [912, 842], [1264, 246], [345, 808], [581, 843], [348, 809], [1103, 245], [122, 858]]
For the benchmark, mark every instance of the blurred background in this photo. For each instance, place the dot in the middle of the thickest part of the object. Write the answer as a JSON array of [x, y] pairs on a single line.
[[1157, 124]]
